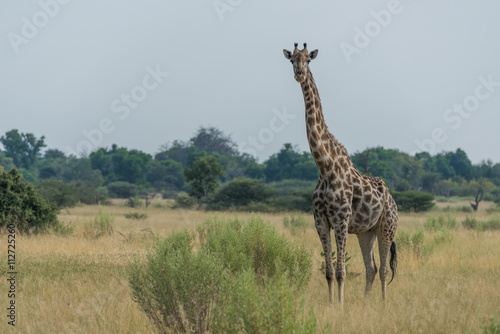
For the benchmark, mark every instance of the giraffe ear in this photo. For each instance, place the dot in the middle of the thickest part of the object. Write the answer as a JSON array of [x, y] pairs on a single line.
[[313, 54], [287, 54]]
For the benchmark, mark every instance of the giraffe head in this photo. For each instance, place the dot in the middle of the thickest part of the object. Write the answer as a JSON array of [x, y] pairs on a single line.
[[300, 60]]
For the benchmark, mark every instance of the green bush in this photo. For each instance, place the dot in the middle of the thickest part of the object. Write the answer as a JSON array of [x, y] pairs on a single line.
[[436, 223], [471, 223], [243, 277], [122, 189], [136, 215], [184, 201], [21, 205], [70, 194], [415, 201], [256, 245], [414, 243], [177, 287], [255, 307], [240, 192]]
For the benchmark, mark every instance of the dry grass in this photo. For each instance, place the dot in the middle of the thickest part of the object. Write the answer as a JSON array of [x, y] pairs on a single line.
[[73, 284]]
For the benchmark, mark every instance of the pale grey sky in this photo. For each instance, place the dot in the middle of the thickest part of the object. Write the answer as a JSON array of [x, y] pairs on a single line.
[[410, 75]]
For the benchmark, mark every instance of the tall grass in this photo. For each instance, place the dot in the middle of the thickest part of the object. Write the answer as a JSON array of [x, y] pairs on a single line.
[[101, 224], [73, 284]]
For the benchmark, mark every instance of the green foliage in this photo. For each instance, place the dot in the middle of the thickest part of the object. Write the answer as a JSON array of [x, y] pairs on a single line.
[[21, 205], [268, 307], [415, 201], [23, 148], [256, 245], [240, 192], [136, 215], [69, 194], [296, 224], [472, 223], [414, 243], [493, 327], [176, 286], [203, 176], [100, 225], [290, 164], [122, 189], [239, 268], [184, 201], [437, 223]]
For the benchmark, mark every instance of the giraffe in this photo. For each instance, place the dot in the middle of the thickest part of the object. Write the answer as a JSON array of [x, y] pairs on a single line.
[[344, 200]]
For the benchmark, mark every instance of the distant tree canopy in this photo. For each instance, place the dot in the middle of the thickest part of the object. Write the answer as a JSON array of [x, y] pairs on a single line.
[[23, 148], [119, 171]]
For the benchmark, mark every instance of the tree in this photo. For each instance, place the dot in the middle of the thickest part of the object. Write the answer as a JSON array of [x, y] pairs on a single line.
[[203, 176], [23, 148], [22, 206], [416, 201], [166, 174], [290, 164], [213, 140], [6, 162]]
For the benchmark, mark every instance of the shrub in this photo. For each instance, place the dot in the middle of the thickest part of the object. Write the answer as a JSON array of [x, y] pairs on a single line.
[[243, 277], [436, 223], [255, 245], [184, 201], [415, 201], [491, 224], [122, 189], [414, 243], [69, 194], [298, 201], [240, 192], [21, 205], [471, 223], [176, 287], [271, 307], [136, 215]]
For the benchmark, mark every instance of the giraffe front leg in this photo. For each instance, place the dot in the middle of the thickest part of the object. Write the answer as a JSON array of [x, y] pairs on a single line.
[[340, 274], [324, 235]]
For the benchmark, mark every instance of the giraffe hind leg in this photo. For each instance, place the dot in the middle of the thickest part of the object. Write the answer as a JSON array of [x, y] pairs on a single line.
[[385, 236], [366, 243]]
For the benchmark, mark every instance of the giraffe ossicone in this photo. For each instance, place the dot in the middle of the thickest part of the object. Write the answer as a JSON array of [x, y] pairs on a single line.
[[344, 200]]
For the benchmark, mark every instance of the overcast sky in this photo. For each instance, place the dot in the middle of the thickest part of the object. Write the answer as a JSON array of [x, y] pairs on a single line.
[[411, 75]]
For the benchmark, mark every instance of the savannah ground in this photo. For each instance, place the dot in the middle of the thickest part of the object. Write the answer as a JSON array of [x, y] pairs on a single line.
[[78, 284]]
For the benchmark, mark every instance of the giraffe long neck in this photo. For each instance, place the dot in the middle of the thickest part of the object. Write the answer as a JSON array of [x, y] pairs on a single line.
[[330, 156]]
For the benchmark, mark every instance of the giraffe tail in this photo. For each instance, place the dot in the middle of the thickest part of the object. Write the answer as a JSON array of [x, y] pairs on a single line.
[[393, 262]]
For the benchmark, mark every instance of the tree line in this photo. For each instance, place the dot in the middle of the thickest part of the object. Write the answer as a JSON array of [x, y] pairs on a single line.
[[209, 166]]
